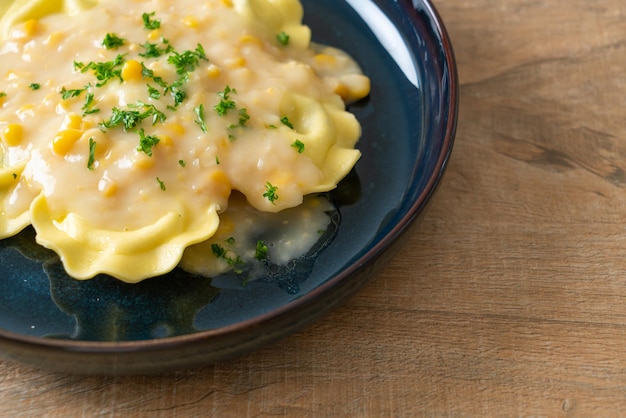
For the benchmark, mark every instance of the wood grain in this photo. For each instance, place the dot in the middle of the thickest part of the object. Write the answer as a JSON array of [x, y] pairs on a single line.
[[510, 297]]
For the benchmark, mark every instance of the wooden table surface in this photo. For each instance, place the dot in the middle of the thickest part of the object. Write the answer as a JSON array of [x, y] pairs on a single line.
[[509, 298]]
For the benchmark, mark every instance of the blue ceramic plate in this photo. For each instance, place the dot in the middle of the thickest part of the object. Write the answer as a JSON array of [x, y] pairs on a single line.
[[50, 321]]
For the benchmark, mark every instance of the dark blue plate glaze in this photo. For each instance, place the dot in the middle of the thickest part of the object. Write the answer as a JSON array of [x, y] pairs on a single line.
[[103, 326]]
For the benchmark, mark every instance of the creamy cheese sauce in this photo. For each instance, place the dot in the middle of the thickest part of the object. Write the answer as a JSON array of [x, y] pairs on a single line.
[[125, 126], [248, 241]]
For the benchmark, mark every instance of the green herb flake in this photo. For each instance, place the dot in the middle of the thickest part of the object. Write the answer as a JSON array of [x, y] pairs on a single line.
[[131, 118], [67, 94], [150, 110], [187, 61], [298, 145], [127, 118], [270, 192], [285, 121], [34, 86], [153, 93], [225, 104], [104, 71], [218, 250], [146, 142], [199, 111], [112, 41], [161, 184], [261, 251], [14, 176], [244, 117], [178, 95], [92, 154], [2, 94], [217, 160], [182, 163], [88, 106], [148, 73], [154, 50], [150, 23], [230, 240], [283, 38]]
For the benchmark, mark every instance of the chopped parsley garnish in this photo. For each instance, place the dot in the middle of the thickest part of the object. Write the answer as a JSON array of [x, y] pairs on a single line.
[[178, 95], [149, 22], [261, 251], [131, 118], [161, 184], [230, 240], [218, 250], [148, 73], [104, 71], [146, 142], [88, 106], [92, 154], [127, 118], [285, 121], [217, 160], [298, 145], [270, 192], [150, 110], [112, 41], [153, 93], [35, 86], [221, 252], [200, 118], [244, 117], [182, 163], [66, 94], [2, 94], [187, 61], [283, 38], [154, 51], [225, 104], [13, 174]]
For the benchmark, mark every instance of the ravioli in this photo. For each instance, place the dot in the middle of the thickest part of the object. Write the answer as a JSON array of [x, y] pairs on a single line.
[[125, 126]]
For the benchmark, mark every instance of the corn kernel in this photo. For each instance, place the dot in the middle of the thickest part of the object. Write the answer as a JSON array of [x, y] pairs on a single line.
[[325, 59], [144, 162], [165, 140], [228, 3], [65, 140], [218, 183], [190, 22], [31, 27], [213, 71], [357, 85], [107, 187], [86, 125], [154, 35], [249, 39], [13, 134], [131, 71], [72, 121], [176, 128], [342, 91], [236, 62], [54, 38], [282, 178]]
